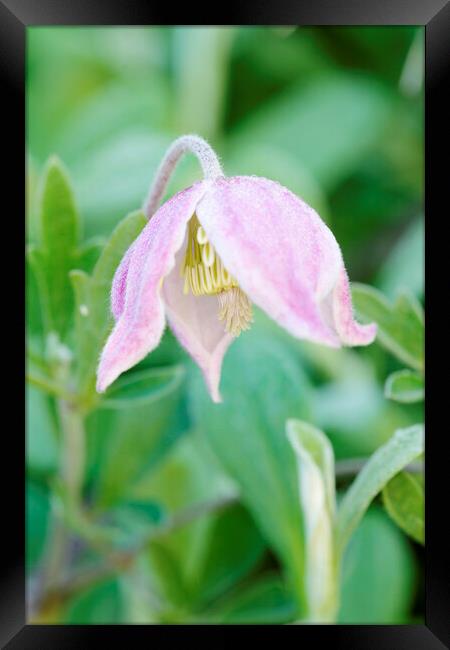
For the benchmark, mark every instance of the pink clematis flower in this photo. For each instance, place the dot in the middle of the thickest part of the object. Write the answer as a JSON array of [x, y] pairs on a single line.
[[213, 250]]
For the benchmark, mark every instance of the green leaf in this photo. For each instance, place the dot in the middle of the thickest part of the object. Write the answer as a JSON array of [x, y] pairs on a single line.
[[405, 386], [215, 550], [378, 575], [93, 317], [33, 305], [400, 326], [59, 233], [89, 253], [165, 575], [404, 446], [100, 604], [136, 422], [233, 548], [265, 601], [328, 124], [315, 461], [244, 432], [403, 498]]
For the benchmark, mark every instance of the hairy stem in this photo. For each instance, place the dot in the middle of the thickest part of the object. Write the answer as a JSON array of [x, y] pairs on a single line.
[[187, 143]]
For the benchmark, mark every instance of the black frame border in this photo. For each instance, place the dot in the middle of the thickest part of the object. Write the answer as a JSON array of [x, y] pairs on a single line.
[[434, 15]]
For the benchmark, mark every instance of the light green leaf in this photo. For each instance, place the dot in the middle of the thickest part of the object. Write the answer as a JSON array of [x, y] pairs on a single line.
[[59, 234], [131, 103], [244, 432], [123, 168], [386, 462], [378, 581], [132, 427], [400, 326], [93, 317], [403, 497], [405, 386], [315, 461]]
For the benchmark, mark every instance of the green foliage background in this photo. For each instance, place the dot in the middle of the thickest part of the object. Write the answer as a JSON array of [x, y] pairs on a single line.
[[336, 115]]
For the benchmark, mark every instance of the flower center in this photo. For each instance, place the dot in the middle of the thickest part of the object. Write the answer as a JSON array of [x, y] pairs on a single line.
[[204, 274]]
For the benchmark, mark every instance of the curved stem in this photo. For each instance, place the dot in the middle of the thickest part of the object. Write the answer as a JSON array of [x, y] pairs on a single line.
[[187, 143]]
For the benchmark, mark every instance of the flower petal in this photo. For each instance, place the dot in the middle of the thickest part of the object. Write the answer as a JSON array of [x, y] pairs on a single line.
[[119, 284], [137, 298], [195, 322], [350, 332], [280, 251]]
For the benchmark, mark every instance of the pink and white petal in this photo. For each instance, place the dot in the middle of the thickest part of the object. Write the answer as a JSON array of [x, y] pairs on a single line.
[[119, 283], [350, 332], [194, 321], [277, 247], [141, 322]]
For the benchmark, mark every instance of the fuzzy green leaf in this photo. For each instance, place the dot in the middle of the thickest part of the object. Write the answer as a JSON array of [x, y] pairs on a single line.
[[400, 326], [93, 317], [404, 446], [59, 229]]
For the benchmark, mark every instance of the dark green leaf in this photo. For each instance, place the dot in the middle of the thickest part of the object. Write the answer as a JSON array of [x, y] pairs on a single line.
[[234, 547], [100, 604], [265, 601], [129, 431]]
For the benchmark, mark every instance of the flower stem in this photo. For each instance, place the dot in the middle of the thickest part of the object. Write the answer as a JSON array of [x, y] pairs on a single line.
[[187, 143], [71, 474], [73, 456]]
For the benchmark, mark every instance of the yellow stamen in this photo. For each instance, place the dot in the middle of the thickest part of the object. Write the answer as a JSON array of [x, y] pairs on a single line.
[[204, 274]]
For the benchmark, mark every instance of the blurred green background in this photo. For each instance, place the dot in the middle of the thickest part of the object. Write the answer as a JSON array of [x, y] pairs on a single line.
[[334, 114]]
